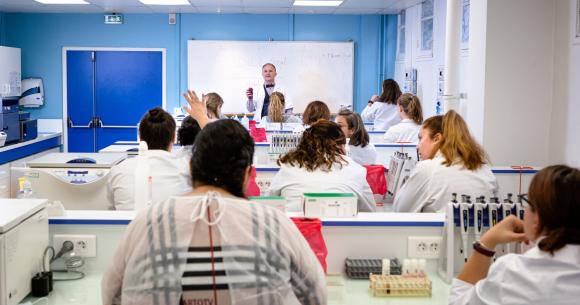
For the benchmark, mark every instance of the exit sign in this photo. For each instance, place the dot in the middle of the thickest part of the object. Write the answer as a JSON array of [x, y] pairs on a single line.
[[114, 19]]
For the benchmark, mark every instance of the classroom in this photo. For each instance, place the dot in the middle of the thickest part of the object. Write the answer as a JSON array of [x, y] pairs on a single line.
[[289, 152]]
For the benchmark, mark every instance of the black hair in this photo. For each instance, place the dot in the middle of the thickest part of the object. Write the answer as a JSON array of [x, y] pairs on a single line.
[[157, 128], [221, 153], [188, 131]]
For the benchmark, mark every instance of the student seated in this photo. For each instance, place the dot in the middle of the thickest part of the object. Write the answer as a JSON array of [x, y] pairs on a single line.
[[451, 162], [213, 244], [168, 172], [359, 147], [319, 165], [276, 111], [314, 111], [411, 115], [382, 110], [548, 273], [186, 135], [214, 103]]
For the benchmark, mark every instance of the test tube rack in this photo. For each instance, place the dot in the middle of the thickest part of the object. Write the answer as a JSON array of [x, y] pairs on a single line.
[[362, 268], [400, 286]]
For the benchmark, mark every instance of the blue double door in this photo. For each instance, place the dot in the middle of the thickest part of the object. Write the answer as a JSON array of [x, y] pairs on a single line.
[[107, 94]]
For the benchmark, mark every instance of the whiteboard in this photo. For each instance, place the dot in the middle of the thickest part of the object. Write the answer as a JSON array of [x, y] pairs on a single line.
[[306, 71]]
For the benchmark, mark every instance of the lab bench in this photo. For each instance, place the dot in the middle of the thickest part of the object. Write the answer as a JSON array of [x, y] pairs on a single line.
[[16, 155], [341, 291]]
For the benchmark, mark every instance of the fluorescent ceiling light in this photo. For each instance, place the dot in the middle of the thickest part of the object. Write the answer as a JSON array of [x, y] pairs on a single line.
[[316, 3], [62, 1], [165, 2]]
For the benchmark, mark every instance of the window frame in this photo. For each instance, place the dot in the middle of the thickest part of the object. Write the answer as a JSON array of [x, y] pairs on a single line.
[[428, 53], [401, 27]]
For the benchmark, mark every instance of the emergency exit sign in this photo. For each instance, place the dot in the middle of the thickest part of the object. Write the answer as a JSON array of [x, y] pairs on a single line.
[[113, 19]]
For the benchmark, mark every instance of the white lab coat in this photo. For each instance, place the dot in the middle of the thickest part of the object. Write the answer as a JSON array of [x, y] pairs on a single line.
[[406, 131], [535, 277], [363, 155], [169, 177], [255, 106], [291, 182], [382, 115], [288, 118], [431, 184]]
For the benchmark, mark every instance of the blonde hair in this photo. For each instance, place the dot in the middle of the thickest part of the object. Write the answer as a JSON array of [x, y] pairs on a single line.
[[412, 107], [276, 107], [213, 102], [456, 142]]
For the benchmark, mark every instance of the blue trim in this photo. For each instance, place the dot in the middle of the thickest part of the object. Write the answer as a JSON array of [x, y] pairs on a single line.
[[267, 169], [377, 131], [335, 223], [88, 221], [28, 150], [395, 145], [279, 131], [332, 223], [514, 171], [260, 144]]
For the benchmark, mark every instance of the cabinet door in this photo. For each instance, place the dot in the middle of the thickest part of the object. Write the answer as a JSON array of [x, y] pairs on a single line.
[[128, 83], [5, 180], [80, 106]]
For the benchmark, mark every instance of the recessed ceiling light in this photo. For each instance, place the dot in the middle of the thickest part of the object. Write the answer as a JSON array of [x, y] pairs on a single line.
[[165, 2], [316, 3], [62, 1]]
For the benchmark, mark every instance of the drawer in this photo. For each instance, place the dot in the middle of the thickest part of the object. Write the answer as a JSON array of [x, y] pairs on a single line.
[[4, 191], [4, 171]]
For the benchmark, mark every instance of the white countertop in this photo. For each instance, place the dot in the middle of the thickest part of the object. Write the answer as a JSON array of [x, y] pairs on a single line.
[[341, 290], [41, 137]]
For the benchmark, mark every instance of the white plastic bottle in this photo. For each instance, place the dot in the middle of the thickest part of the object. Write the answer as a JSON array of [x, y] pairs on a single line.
[[246, 122]]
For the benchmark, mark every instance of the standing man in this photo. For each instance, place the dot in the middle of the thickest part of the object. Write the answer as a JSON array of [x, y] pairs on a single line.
[[259, 99]]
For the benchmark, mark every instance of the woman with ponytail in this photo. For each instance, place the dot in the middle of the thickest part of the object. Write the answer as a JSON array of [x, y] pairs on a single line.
[[276, 112], [169, 174], [548, 273], [411, 115], [451, 162]]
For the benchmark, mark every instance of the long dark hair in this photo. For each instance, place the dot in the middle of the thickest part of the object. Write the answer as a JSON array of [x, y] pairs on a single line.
[[188, 131], [360, 136], [391, 92], [554, 194], [157, 128], [320, 147], [221, 154]]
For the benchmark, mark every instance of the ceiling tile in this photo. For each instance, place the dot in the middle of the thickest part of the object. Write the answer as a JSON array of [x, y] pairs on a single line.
[[268, 3], [220, 10], [360, 4], [216, 3], [358, 11], [312, 10], [267, 10], [173, 8]]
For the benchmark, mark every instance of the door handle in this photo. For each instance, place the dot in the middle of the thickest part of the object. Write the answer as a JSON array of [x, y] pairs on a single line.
[[101, 125], [71, 125]]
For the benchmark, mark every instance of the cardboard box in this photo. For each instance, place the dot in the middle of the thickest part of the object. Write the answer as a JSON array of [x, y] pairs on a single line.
[[329, 205]]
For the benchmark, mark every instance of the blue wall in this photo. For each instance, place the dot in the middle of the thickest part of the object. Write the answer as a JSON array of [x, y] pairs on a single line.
[[42, 37]]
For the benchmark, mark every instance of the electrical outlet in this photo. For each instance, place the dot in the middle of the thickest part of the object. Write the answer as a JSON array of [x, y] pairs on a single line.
[[423, 246], [84, 245]]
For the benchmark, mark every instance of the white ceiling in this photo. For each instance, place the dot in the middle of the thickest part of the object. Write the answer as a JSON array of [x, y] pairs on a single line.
[[211, 6]]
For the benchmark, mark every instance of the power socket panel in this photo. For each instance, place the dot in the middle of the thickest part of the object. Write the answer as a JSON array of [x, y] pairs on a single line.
[[84, 245], [424, 246]]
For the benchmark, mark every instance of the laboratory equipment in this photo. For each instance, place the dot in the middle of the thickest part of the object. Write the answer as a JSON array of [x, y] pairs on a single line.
[[282, 143], [9, 119], [400, 167], [400, 286], [362, 268], [458, 235], [78, 180], [32, 93], [23, 239], [10, 77], [28, 126], [3, 136], [319, 205]]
